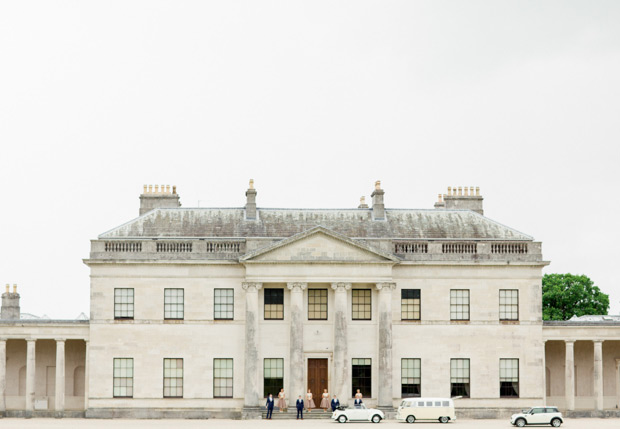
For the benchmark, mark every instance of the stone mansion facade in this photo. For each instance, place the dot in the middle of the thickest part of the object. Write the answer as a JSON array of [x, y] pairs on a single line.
[[201, 312]]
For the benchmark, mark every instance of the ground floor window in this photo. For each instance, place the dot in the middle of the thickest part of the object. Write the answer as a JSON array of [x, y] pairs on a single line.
[[222, 378], [273, 373], [410, 374], [362, 377], [173, 378], [123, 378], [509, 378], [459, 377]]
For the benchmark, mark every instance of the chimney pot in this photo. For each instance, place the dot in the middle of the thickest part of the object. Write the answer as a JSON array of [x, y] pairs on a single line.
[[174, 189], [14, 288], [8, 288], [378, 184], [251, 183]]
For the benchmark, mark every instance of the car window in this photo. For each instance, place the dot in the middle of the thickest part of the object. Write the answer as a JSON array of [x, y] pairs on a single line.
[[446, 403], [437, 404], [538, 410], [429, 404], [552, 410], [420, 404]]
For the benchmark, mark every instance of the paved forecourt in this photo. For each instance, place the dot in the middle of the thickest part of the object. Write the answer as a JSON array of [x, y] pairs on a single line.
[[273, 424]]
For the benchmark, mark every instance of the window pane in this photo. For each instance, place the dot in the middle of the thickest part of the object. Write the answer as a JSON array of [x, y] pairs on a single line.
[[410, 304], [173, 303], [459, 377], [123, 303], [509, 304], [274, 304], [362, 305], [317, 304], [223, 304], [123, 378], [410, 377], [459, 304], [222, 378], [273, 373], [173, 378], [361, 376]]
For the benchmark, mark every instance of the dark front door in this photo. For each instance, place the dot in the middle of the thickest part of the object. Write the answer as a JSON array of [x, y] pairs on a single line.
[[317, 378]]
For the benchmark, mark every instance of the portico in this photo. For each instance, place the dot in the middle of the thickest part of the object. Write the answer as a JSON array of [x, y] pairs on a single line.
[[582, 367], [42, 368]]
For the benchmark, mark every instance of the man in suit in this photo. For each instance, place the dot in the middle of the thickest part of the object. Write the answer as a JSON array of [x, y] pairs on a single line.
[[269, 406], [335, 403], [300, 408]]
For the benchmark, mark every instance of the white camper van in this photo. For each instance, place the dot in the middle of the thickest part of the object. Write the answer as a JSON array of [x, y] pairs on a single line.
[[413, 409]]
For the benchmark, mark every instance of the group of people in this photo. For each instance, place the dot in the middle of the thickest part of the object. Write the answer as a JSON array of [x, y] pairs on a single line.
[[308, 405]]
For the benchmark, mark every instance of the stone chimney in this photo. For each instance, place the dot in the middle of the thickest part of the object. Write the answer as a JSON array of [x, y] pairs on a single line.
[[440, 204], [465, 198], [250, 203], [378, 209], [363, 204], [10, 304], [158, 197]]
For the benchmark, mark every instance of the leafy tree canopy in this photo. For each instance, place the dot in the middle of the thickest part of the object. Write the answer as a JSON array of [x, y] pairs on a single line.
[[568, 295]]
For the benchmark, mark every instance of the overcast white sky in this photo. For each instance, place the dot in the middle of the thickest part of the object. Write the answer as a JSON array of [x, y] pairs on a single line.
[[315, 100]]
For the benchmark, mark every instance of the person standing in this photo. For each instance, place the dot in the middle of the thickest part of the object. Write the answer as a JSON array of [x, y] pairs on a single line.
[[358, 398], [269, 406], [335, 403], [300, 408], [310, 402], [325, 400], [281, 400]]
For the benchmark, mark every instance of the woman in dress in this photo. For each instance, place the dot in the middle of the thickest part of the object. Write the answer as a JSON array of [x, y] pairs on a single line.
[[281, 400], [309, 402], [325, 400]]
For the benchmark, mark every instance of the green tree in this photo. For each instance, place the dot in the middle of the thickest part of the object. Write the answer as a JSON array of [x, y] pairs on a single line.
[[567, 295]]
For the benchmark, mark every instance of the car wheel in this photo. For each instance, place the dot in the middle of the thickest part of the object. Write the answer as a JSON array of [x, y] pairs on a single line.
[[410, 419], [342, 419], [376, 418], [444, 419], [556, 422], [520, 423]]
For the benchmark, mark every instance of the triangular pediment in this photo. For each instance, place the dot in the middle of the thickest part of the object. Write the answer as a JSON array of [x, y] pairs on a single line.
[[319, 245]]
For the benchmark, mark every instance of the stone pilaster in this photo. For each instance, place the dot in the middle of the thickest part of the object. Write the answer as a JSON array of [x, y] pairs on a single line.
[[251, 369], [296, 342], [86, 374], [569, 375], [2, 376], [617, 382], [59, 406], [341, 386], [30, 375], [385, 344], [598, 374], [544, 371]]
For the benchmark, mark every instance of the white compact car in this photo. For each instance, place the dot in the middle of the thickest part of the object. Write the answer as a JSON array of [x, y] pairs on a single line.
[[538, 416], [358, 413]]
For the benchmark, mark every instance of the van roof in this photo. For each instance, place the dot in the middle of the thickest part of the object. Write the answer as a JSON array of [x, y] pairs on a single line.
[[427, 399]]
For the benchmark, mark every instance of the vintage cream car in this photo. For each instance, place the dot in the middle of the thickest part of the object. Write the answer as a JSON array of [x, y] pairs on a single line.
[[358, 413], [542, 415]]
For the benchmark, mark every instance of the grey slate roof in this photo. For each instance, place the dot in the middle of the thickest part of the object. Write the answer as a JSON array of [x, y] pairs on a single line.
[[281, 223]]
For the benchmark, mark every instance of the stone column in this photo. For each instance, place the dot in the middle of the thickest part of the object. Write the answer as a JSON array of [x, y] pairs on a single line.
[[60, 377], [617, 383], [86, 374], [2, 376], [296, 342], [385, 344], [569, 375], [341, 386], [30, 375], [544, 371], [251, 370], [598, 374]]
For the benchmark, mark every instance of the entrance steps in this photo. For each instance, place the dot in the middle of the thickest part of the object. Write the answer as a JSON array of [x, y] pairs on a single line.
[[291, 414]]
